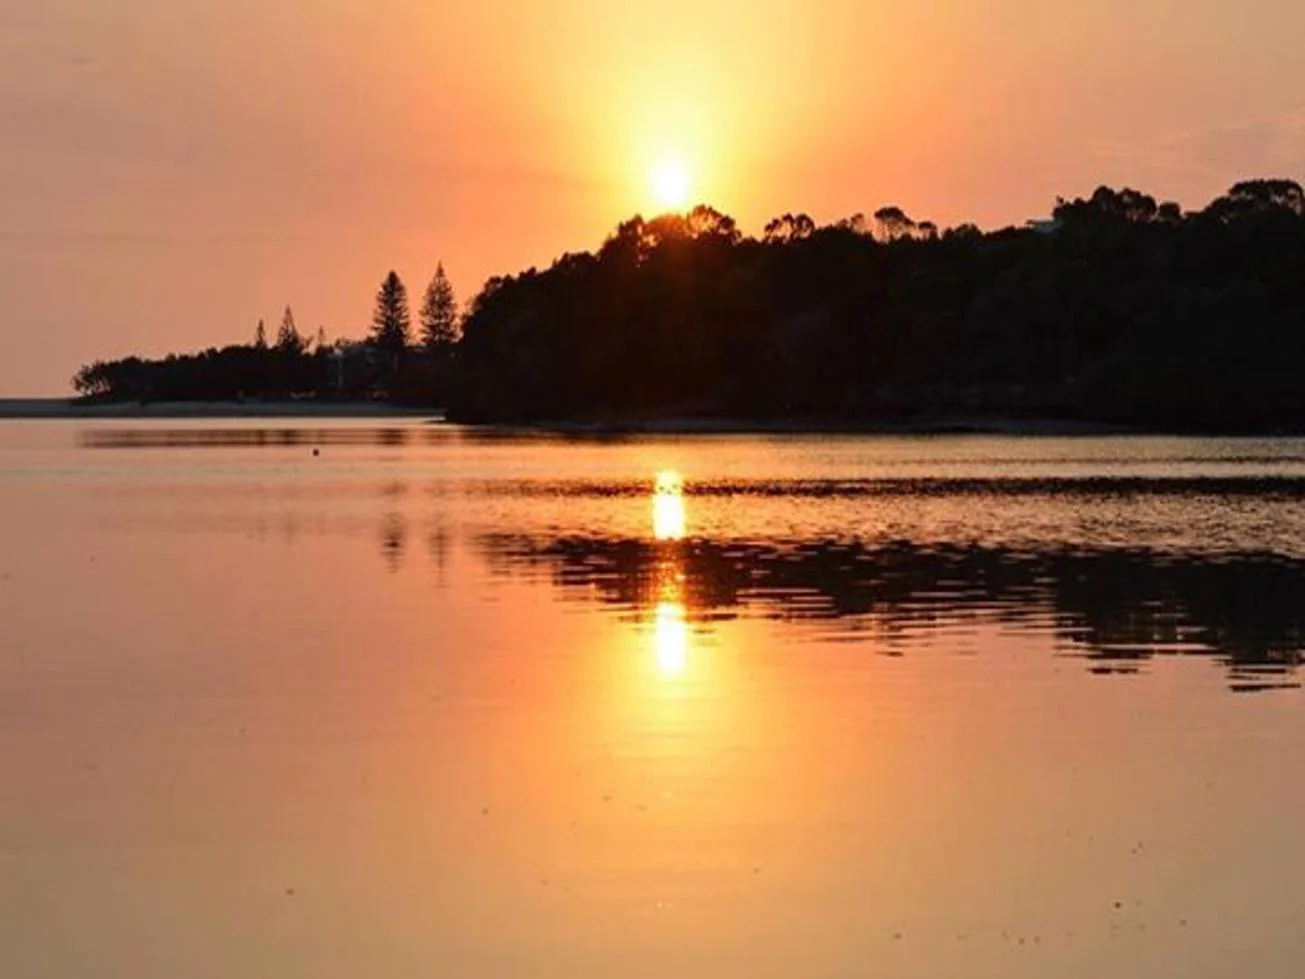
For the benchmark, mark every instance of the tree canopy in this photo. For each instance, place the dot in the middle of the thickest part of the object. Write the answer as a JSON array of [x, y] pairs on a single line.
[[1118, 308], [288, 338], [391, 321], [439, 314]]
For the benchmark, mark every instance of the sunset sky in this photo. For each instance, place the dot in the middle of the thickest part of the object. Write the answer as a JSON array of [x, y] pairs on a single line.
[[173, 170]]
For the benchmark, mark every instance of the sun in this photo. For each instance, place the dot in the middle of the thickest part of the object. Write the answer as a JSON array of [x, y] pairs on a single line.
[[670, 185]]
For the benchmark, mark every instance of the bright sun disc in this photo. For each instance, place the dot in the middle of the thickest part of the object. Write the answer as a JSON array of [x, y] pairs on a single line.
[[670, 185]]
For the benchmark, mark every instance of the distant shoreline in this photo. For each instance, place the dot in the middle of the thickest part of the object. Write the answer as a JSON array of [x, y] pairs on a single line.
[[939, 426], [55, 409], [66, 408], [744, 426]]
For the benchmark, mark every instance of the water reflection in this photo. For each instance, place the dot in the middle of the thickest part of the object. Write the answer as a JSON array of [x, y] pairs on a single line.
[[670, 522], [671, 636], [1116, 609], [669, 526], [1117, 560], [394, 540], [438, 547], [259, 436]]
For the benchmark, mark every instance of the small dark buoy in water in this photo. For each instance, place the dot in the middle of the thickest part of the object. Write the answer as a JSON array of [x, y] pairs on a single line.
[[316, 453]]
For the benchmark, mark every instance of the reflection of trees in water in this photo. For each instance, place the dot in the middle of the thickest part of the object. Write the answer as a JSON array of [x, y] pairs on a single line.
[[439, 543], [394, 540], [1117, 608], [1248, 610], [265, 436]]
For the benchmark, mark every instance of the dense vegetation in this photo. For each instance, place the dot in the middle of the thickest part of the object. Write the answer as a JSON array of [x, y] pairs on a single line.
[[1118, 309], [387, 366]]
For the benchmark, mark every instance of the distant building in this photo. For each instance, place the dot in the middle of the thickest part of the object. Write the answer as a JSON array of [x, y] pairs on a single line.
[[1043, 226]]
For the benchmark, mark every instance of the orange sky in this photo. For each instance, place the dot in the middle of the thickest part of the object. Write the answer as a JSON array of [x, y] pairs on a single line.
[[171, 170]]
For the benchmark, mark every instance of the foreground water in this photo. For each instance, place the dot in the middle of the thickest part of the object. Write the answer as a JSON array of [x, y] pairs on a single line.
[[339, 700]]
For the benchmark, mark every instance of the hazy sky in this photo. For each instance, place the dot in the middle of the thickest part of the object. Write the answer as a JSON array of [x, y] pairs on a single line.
[[172, 170]]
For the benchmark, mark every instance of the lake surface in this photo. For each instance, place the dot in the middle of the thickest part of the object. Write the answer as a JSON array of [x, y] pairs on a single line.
[[352, 699]]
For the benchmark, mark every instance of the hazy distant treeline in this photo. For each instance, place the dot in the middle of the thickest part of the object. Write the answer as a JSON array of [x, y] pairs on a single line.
[[1118, 308], [390, 364]]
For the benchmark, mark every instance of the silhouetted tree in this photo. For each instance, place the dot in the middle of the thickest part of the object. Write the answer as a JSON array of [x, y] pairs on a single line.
[[790, 227], [288, 338], [260, 336], [1256, 198], [1169, 213], [1122, 309], [891, 224], [707, 222], [1107, 205], [94, 380], [391, 322], [439, 314]]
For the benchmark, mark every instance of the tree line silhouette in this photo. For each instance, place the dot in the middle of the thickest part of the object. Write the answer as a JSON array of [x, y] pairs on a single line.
[[389, 365], [1119, 308]]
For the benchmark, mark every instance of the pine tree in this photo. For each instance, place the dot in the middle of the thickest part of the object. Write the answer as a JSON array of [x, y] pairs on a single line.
[[439, 314], [260, 337], [288, 338], [391, 323]]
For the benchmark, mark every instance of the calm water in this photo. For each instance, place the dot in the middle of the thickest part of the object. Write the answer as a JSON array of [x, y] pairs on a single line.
[[339, 700]]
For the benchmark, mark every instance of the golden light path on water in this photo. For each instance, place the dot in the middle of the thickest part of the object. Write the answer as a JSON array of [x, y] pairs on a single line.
[[445, 763], [672, 639], [669, 520], [671, 625]]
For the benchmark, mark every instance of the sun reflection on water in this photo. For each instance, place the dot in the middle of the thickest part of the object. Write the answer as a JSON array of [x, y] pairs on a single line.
[[671, 639], [671, 621], [669, 520]]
